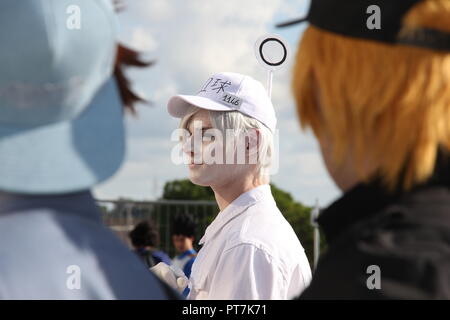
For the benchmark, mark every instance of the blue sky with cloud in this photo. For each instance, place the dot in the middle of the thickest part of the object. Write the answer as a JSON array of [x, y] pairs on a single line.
[[190, 40]]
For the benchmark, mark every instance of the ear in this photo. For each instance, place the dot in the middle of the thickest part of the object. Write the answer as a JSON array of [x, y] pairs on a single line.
[[252, 145], [254, 136]]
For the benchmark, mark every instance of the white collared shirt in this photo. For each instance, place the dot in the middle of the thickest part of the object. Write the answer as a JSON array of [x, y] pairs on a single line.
[[250, 251]]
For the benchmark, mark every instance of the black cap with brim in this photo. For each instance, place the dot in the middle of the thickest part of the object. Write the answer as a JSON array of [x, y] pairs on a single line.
[[349, 18]]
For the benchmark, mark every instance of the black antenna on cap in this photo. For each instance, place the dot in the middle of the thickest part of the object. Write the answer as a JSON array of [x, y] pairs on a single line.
[[291, 22]]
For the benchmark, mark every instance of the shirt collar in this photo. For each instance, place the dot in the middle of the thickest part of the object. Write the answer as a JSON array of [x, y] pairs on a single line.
[[366, 200], [235, 208], [81, 204], [186, 253]]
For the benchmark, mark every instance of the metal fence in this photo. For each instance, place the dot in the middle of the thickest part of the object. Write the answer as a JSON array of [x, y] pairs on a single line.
[[122, 215]]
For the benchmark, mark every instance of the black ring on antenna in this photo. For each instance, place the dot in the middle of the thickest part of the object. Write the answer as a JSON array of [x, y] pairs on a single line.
[[262, 55]]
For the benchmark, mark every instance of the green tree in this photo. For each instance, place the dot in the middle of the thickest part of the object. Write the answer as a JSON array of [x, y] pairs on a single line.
[[186, 190], [295, 213], [299, 217]]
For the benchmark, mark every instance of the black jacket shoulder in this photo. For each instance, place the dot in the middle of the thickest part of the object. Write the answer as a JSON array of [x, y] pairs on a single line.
[[404, 242]]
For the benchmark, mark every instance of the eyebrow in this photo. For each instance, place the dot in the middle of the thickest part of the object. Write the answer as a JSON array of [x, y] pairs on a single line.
[[203, 129]]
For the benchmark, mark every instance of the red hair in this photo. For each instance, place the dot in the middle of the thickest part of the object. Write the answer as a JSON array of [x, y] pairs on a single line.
[[127, 57]]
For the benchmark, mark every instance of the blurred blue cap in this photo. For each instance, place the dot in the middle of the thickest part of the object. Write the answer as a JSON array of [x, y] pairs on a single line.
[[61, 123]]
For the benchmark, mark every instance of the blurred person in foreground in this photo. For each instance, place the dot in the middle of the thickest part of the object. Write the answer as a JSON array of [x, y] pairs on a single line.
[[61, 133], [372, 80], [249, 251], [145, 240], [183, 237]]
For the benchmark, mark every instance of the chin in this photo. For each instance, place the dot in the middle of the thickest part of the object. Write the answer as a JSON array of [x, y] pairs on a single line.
[[198, 180]]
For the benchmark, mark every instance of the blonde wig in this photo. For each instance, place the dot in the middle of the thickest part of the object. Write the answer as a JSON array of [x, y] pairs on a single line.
[[386, 102]]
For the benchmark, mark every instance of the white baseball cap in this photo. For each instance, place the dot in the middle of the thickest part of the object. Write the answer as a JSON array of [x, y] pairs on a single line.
[[227, 91]]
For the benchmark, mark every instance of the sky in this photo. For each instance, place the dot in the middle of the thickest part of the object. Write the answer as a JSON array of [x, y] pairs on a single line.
[[190, 40]]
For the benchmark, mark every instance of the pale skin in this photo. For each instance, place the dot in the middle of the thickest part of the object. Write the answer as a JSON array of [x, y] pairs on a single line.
[[182, 243], [228, 181], [343, 175]]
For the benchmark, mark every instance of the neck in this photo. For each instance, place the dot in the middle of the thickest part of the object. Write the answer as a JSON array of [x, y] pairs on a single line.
[[227, 193]]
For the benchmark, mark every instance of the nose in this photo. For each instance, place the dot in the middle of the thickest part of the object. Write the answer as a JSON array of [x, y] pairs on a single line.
[[188, 146], [192, 148]]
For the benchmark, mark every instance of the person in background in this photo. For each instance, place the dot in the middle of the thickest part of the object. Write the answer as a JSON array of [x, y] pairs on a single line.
[[61, 133], [145, 240], [183, 237]]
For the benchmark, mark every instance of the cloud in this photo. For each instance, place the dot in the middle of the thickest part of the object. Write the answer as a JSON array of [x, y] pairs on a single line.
[[143, 40]]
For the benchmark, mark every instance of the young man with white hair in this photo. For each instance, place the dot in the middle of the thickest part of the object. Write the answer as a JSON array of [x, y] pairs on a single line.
[[249, 251]]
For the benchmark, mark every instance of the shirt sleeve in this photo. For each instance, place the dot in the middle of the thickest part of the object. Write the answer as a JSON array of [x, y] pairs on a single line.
[[246, 272]]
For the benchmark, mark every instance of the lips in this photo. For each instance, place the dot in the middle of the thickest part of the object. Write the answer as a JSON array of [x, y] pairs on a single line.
[[192, 163], [193, 166]]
